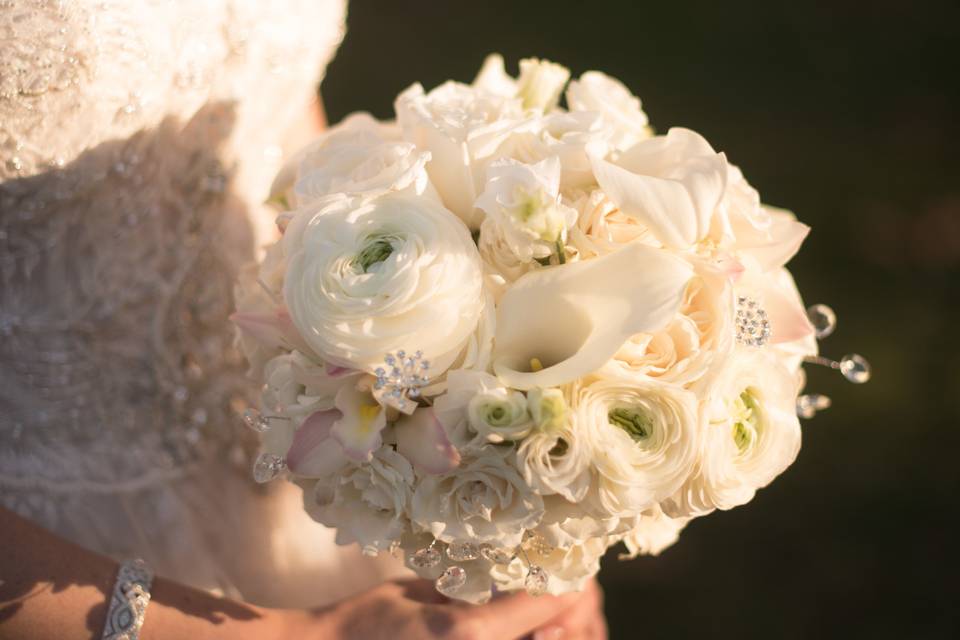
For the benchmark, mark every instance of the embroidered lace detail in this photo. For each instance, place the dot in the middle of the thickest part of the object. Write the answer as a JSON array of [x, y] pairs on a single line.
[[136, 143]]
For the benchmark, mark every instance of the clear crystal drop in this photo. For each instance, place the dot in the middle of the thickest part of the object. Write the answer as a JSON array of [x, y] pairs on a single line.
[[808, 405], [451, 580], [425, 558], [494, 555], [255, 420], [855, 368], [462, 552], [536, 581], [823, 319], [267, 467]]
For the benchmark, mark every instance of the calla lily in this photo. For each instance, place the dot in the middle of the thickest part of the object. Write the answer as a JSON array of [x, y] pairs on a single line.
[[358, 431], [573, 318], [274, 329], [671, 184], [422, 440], [314, 453]]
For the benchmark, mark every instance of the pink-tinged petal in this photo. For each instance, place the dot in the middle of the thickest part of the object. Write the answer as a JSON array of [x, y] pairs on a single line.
[[274, 329], [422, 440], [358, 431], [788, 319], [784, 239], [313, 452], [729, 267], [337, 372]]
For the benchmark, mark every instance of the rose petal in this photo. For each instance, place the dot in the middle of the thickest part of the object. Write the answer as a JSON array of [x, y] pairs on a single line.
[[313, 453], [422, 440]]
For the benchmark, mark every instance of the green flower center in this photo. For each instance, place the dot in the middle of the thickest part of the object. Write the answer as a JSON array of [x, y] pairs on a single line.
[[374, 253], [746, 420], [634, 422]]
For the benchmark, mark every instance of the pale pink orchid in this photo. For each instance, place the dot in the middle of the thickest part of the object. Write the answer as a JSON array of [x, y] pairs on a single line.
[[423, 441], [274, 329]]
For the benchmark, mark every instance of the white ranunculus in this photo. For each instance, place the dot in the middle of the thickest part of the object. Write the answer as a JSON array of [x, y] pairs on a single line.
[[556, 460], [655, 531], [461, 127], [358, 155], [523, 206], [646, 439], [369, 276], [671, 184], [484, 500], [367, 503], [750, 435], [595, 91]]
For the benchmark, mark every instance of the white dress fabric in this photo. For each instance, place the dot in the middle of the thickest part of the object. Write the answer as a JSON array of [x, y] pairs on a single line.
[[137, 143]]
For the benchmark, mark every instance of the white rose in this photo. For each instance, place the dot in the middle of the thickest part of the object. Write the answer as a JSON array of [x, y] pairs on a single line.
[[602, 228], [500, 414], [523, 206], [568, 569], [655, 531], [461, 126], [476, 409], [701, 333], [595, 91], [358, 155], [366, 503], [369, 276], [646, 440], [484, 500], [750, 436]]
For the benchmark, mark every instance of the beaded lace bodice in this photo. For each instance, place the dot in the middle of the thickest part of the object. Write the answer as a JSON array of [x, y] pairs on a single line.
[[137, 140]]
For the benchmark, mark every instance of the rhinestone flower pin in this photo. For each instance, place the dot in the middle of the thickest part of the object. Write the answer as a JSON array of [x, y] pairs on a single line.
[[399, 383]]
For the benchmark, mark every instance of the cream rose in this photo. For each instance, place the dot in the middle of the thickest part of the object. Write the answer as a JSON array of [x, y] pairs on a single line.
[[359, 155], [646, 438], [484, 500], [461, 127], [596, 91], [367, 503], [369, 276], [750, 436]]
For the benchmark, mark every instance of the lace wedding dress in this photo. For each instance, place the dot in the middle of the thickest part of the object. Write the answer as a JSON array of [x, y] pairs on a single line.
[[137, 141]]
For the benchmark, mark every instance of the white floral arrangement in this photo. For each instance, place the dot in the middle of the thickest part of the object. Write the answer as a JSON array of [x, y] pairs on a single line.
[[500, 336]]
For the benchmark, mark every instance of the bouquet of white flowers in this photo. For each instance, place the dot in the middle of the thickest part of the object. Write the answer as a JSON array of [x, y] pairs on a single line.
[[500, 335]]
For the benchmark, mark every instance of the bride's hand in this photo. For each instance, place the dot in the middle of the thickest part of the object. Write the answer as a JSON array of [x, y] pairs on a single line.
[[412, 609]]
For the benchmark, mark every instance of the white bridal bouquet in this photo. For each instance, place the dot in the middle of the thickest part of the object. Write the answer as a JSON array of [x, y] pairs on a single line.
[[499, 335]]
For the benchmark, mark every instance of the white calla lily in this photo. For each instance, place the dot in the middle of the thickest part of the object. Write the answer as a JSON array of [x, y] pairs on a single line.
[[672, 184], [573, 318]]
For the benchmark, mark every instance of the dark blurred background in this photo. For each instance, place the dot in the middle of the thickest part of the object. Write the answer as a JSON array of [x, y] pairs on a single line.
[[846, 113]]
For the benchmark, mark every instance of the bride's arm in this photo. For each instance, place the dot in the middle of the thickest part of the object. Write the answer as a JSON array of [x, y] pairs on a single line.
[[51, 589]]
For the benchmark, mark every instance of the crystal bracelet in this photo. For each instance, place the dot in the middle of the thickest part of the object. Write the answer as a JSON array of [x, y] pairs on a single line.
[[128, 601]]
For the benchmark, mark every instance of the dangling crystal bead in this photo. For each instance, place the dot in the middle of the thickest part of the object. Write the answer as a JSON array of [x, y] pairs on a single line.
[[255, 420], [536, 580], [808, 405], [823, 319], [267, 467], [855, 368], [451, 580], [494, 555], [425, 558], [462, 551]]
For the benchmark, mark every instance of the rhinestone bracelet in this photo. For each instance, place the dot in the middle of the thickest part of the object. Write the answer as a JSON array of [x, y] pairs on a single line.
[[128, 602]]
